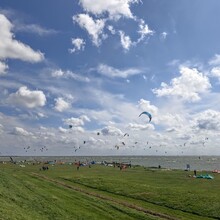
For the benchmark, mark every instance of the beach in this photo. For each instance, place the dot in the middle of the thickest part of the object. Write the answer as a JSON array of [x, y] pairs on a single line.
[[208, 163]]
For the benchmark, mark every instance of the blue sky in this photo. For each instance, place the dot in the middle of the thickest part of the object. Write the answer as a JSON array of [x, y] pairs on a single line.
[[96, 65]]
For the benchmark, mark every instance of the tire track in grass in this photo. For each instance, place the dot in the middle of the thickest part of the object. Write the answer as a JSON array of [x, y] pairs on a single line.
[[106, 198]]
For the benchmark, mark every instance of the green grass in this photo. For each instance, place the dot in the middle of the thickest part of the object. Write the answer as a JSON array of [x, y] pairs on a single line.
[[102, 192]]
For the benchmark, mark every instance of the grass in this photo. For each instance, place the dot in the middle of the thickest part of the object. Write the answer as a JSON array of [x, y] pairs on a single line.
[[102, 192]]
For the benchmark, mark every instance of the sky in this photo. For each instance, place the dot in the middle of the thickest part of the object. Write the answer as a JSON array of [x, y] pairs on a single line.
[[76, 75]]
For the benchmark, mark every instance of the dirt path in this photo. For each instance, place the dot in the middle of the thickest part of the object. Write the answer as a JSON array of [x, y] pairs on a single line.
[[106, 198]]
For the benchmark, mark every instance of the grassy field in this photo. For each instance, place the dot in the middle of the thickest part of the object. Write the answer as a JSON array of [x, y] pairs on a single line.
[[102, 192]]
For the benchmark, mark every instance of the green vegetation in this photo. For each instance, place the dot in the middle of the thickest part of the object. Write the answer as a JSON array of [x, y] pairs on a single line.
[[102, 192]]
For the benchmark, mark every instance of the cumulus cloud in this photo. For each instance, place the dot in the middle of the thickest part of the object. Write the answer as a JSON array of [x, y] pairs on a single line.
[[138, 127], [106, 11], [116, 73], [73, 129], [215, 72], [61, 104], [188, 86], [21, 132], [63, 130], [95, 142], [114, 8], [11, 48], [111, 131], [27, 98], [208, 120], [78, 43], [145, 105], [3, 68], [78, 129], [92, 26], [76, 122], [58, 73], [173, 119]]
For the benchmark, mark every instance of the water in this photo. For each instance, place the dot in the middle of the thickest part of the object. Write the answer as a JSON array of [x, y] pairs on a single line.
[[170, 162]]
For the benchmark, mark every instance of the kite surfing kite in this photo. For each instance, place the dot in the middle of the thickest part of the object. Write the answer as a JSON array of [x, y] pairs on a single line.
[[148, 114]]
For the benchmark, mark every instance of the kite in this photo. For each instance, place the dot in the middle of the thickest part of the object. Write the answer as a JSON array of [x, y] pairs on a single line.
[[148, 114]]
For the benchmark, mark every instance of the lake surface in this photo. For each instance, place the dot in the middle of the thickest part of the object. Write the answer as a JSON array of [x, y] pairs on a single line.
[[170, 162]]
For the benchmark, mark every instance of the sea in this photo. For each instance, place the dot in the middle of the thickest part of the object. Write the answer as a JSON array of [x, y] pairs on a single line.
[[206, 163]]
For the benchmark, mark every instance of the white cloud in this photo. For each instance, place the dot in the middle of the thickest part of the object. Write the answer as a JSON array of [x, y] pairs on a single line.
[[137, 127], [21, 132], [94, 142], [63, 130], [34, 28], [68, 74], [61, 105], [163, 35], [144, 30], [76, 122], [111, 108], [111, 29], [1, 128], [71, 130], [145, 105], [111, 131], [11, 48], [188, 86], [92, 26], [115, 8], [57, 73], [41, 115], [106, 11], [185, 137], [125, 40], [208, 120], [84, 118], [172, 119], [113, 72], [3, 68], [78, 43], [78, 129], [27, 98], [215, 60], [215, 72]]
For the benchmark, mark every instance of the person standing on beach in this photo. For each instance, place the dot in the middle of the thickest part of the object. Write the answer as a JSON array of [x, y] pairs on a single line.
[[78, 164], [194, 172]]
